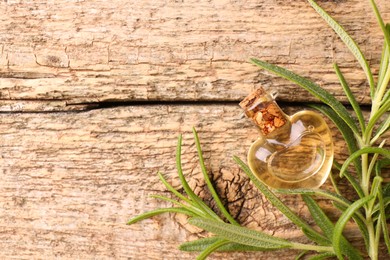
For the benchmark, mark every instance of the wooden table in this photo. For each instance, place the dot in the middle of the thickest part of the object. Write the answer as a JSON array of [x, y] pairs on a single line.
[[95, 93]]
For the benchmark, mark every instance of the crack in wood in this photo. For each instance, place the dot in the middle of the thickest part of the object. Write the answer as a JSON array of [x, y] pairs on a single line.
[[59, 105]]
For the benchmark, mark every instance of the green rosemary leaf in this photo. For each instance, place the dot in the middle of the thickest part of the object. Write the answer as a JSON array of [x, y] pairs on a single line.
[[195, 211], [318, 192], [171, 189], [200, 204], [322, 220], [385, 230], [240, 235], [381, 96], [374, 159], [177, 203], [382, 219], [350, 96], [383, 128], [386, 97], [300, 255], [326, 194], [349, 42], [243, 248], [351, 180], [376, 209], [381, 23], [374, 119], [361, 223], [199, 244], [376, 185], [319, 240], [378, 168], [275, 201], [365, 150], [314, 89], [202, 243], [344, 218], [344, 130], [386, 198], [211, 248], [384, 60], [322, 256], [208, 182], [319, 216], [386, 187], [158, 212]]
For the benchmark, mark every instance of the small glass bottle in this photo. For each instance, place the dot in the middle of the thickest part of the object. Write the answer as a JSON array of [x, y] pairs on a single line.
[[292, 151]]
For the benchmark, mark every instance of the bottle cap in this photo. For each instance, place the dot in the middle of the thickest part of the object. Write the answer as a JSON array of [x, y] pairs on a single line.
[[261, 108]]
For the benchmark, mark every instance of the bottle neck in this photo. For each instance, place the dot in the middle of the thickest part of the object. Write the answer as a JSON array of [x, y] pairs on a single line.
[[262, 109]]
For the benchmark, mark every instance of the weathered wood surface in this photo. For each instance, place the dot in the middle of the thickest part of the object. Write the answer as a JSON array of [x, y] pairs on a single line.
[[71, 178], [90, 51], [70, 181]]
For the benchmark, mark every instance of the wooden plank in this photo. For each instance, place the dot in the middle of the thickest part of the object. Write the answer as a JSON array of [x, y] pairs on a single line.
[[70, 181], [92, 51], [14, 106]]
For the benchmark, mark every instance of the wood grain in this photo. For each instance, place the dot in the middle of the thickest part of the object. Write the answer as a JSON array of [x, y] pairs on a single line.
[[73, 171], [70, 181], [92, 51]]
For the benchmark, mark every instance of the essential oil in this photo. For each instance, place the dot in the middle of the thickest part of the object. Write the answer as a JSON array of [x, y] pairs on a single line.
[[292, 151]]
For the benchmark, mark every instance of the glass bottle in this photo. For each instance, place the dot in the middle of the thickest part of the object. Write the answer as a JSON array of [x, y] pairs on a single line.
[[292, 151]]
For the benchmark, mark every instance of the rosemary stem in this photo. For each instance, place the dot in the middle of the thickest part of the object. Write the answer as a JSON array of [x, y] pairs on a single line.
[[380, 92], [365, 175], [312, 247], [365, 183], [373, 246]]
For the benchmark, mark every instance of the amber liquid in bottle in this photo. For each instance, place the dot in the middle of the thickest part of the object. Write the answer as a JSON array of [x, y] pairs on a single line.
[[292, 151]]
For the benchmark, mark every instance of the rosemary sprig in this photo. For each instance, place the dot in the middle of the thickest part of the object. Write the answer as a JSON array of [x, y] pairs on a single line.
[[370, 211]]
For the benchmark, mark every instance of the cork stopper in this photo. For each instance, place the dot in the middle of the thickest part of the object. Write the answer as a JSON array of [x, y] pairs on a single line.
[[260, 107]]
